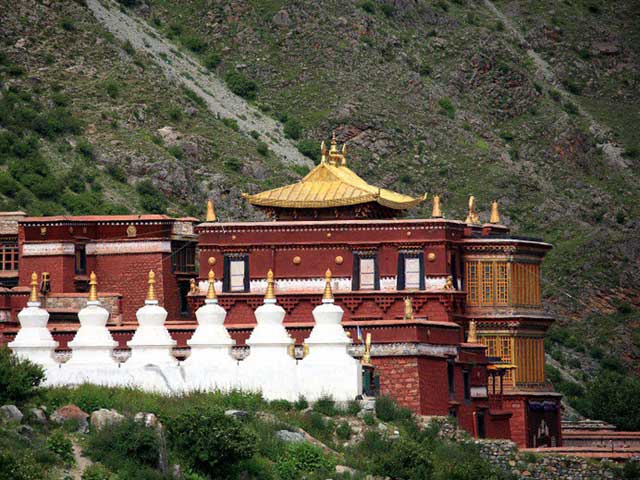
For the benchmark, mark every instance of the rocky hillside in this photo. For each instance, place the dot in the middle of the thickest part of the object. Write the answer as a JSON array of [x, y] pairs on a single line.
[[535, 103]]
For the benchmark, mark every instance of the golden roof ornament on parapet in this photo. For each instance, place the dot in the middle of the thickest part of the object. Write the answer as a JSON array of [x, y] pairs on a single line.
[[34, 298], [472, 216], [332, 184], [211, 212], [408, 309], [472, 336], [437, 207], [495, 213]]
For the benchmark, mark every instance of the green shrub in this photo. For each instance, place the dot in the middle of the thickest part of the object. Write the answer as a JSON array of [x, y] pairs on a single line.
[[292, 129], [343, 431], [388, 410], [571, 108], [447, 108], [353, 407], [117, 173], [239, 84], [56, 121], [176, 151], [369, 419], [210, 441], [325, 405], [14, 466], [301, 403], [631, 152], [281, 405], [232, 164], [194, 97], [212, 60], [425, 69], [301, 459], [97, 471], [8, 186], [19, 378], [111, 87], [124, 442], [387, 9], [128, 47], [367, 5], [309, 148], [151, 199], [232, 123], [263, 149], [60, 445], [85, 148], [68, 24], [194, 43]]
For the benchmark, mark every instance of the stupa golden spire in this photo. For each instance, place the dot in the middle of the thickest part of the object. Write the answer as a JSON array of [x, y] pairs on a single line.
[[151, 294], [437, 208], [495, 212], [211, 212], [93, 287], [270, 293], [211, 292], [34, 288], [328, 293]]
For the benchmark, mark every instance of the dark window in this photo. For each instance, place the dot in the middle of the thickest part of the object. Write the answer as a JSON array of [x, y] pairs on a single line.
[[411, 271], [366, 275], [454, 271], [9, 256], [81, 259], [184, 287], [453, 412], [482, 433], [451, 377], [236, 273], [183, 257], [466, 375]]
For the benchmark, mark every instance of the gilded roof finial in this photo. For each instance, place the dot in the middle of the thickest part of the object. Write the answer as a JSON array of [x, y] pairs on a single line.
[[408, 309], [472, 335], [324, 151], [211, 212], [211, 292], [437, 207], [93, 287], [270, 294], [495, 213], [334, 156], [151, 294], [472, 216], [343, 161], [366, 357], [328, 293], [34, 288]]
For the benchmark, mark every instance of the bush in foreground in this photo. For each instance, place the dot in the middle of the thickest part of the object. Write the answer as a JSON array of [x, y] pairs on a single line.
[[18, 378]]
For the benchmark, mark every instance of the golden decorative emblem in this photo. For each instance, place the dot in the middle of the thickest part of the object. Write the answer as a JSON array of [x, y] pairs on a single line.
[[297, 260], [329, 235], [339, 260], [212, 261], [131, 231], [431, 257], [43, 231], [233, 237], [408, 234]]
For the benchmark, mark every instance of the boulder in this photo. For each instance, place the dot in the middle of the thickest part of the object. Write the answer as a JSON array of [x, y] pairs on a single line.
[[290, 437], [38, 415], [149, 420], [11, 413], [104, 417], [239, 414], [71, 413], [282, 19]]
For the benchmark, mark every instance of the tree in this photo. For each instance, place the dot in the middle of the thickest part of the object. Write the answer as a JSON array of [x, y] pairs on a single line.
[[18, 378]]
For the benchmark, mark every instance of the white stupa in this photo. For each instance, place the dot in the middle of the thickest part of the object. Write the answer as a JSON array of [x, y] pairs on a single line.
[[152, 363], [269, 367], [210, 365], [328, 369], [34, 341]]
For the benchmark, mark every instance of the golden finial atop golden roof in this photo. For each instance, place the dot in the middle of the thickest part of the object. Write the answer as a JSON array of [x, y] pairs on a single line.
[[211, 292], [211, 212], [343, 161], [34, 288], [408, 309], [437, 208], [270, 293], [324, 151], [472, 217], [495, 213], [328, 293], [93, 287], [472, 335], [151, 294]]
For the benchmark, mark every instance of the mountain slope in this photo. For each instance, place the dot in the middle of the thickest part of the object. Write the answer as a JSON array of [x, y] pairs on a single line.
[[532, 103]]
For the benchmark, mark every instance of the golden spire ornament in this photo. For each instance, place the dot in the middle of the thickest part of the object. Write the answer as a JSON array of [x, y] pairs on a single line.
[[211, 292], [34, 289], [366, 356], [324, 151], [151, 294], [495, 213], [211, 212], [408, 309], [437, 208], [472, 217], [343, 161], [93, 287], [327, 296], [270, 293], [472, 335]]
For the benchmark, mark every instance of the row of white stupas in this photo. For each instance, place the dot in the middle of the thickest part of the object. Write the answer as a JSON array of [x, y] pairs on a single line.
[[269, 367]]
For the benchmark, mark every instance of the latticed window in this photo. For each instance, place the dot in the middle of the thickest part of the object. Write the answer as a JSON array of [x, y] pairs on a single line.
[[526, 284], [501, 347], [487, 282], [9, 256]]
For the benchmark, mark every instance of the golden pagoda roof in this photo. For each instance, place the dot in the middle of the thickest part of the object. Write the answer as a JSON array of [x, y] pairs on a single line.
[[331, 184]]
